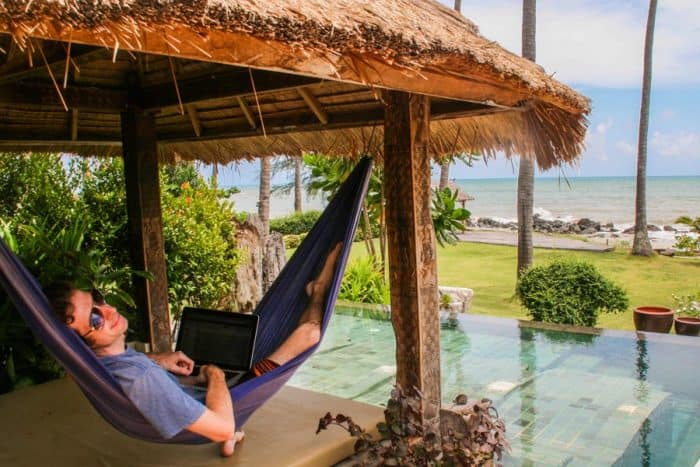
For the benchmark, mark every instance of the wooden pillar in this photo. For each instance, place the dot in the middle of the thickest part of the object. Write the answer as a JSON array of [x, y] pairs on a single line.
[[145, 222], [412, 249]]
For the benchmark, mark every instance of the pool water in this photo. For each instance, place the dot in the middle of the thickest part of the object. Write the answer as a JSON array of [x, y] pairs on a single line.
[[568, 398]]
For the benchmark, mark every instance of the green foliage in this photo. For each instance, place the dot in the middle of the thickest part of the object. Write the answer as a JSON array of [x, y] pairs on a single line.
[[569, 292], [295, 224], [477, 438], [688, 305], [364, 282], [198, 233], [293, 241], [687, 245], [35, 187], [325, 175], [448, 218], [694, 223]]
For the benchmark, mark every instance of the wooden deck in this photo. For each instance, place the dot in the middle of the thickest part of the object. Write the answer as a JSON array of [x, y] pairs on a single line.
[[53, 424]]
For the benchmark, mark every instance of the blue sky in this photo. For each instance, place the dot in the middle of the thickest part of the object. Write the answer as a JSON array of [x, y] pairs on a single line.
[[596, 46]]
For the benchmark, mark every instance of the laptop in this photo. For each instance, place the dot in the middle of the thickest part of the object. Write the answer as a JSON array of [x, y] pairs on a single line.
[[220, 338]]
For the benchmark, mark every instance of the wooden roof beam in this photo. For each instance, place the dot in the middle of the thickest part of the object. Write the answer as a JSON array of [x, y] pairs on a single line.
[[194, 119], [74, 124], [217, 86], [247, 113], [314, 104], [57, 61], [44, 95]]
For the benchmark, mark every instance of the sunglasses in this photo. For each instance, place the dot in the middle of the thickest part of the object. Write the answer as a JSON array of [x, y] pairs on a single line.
[[96, 318]]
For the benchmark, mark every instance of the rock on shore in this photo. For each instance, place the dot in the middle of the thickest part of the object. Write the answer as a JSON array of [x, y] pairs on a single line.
[[583, 226]]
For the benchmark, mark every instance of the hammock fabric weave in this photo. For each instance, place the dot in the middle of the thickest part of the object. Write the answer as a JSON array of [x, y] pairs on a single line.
[[279, 312]]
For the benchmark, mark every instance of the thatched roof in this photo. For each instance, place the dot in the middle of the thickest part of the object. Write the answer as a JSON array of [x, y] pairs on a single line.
[[410, 45]]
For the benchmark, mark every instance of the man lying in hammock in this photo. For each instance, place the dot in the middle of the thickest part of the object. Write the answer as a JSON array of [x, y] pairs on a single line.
[[149, 380]]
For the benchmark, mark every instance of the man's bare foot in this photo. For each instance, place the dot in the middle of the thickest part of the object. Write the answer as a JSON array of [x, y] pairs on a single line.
[[317, 288], [229, 446]]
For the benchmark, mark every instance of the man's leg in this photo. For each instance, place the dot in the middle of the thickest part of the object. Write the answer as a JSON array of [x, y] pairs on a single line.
[[308, 333]]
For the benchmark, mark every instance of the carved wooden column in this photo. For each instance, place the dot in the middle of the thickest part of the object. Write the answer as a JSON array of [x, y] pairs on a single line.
[[145, 222], [412, 249]]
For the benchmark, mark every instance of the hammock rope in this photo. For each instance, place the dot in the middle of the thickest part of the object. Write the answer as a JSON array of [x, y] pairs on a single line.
[[279, 312]]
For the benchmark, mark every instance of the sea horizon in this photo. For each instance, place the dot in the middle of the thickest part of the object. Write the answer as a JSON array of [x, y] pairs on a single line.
[[606, 199]]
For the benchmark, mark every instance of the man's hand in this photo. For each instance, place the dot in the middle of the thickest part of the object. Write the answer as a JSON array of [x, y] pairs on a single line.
[[209, 372], [174, 362]]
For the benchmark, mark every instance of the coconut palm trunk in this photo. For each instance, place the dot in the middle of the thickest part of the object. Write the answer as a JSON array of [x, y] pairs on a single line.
[[297, 184], [445, 164], [444, 173], [526, 171], [641, 245], [264, 199]]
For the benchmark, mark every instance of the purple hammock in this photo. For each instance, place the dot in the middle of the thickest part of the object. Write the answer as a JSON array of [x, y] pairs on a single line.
[[279, 311]]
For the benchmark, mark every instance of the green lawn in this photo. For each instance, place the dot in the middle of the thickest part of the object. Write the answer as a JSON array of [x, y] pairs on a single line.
[[490, 271]]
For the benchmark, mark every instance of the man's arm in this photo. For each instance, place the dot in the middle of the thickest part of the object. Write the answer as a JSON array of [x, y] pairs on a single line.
[[217, 422]]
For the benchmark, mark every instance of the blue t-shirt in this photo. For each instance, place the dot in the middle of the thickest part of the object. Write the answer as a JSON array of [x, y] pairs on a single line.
[[155, 392]]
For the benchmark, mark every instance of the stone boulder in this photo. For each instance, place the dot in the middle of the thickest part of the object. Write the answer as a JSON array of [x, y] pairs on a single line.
[[460, 298], [274, 259], [247, 289]]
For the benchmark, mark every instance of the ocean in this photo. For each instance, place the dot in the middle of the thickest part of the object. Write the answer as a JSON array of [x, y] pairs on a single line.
[[603, 199]]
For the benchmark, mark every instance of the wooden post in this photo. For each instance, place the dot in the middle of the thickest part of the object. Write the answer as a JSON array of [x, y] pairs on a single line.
[[412, 249], [145, 222]]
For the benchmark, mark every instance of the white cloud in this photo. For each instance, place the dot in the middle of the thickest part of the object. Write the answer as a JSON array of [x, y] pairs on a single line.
[[626, 148], [603, 127], [597, 141], [677, 144], [598, 42]]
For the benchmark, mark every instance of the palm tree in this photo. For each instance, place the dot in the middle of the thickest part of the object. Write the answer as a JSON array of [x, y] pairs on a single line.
[[641, 245], [445, 164], [264, 199], [526, 172], [297, 184]]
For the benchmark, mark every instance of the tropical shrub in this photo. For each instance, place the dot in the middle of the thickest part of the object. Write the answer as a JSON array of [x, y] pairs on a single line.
[[687, 245], [198, 235], [569, 292], [688, 305], [364, 282], [448, 218], [693, 223], [295, 224], [293, 241], [35, 186]]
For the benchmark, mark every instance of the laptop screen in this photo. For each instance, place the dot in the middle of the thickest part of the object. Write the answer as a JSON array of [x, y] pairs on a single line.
[[215, 337]]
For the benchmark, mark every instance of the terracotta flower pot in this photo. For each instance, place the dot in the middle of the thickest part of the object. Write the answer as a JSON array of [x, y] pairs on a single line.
[[687, 326], [653, 318]]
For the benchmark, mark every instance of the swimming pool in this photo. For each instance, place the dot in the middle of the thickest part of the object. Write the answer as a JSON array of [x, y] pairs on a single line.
[[568, 398]]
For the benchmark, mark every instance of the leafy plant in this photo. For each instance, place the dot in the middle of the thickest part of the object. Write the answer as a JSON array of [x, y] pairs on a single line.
[[295, 224], [445, 300], [688, 305], [477, 438], [364, 283], [687, 245], [448, 218], [198, 233], [35, 186], [569, 292], [293, 241], [693, 223]]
